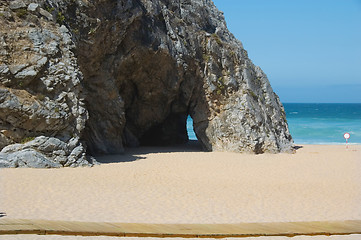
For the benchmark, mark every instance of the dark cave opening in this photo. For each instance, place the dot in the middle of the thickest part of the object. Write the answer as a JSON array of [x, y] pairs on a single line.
[[171, 131], [177, 129]]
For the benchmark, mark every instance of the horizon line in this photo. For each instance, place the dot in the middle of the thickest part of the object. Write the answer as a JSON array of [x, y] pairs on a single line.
[[321, 102]]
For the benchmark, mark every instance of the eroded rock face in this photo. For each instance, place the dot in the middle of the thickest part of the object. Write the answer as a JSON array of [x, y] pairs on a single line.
[[40, 89], [108, 74]]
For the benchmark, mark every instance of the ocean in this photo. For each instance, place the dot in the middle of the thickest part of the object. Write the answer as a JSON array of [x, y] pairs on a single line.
[[318, 123]]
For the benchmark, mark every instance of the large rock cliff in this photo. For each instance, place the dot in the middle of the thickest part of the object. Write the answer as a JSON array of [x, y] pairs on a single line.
[[84, 77]]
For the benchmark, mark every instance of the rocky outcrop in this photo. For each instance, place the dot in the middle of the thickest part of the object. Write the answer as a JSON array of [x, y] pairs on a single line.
[[104, 74], [40, 90]]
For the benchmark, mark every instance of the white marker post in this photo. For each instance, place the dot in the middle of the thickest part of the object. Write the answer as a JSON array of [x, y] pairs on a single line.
[[346, 136]]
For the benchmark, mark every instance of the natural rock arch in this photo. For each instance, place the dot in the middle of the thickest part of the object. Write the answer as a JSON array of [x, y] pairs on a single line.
[[168, 62], [100, 75]]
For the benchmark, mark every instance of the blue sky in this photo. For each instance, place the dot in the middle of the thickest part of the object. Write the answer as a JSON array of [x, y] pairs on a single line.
[[309, 49]]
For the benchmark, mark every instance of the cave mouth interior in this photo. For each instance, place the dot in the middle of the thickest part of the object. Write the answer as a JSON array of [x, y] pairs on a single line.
[[176, 130], [155, 141]]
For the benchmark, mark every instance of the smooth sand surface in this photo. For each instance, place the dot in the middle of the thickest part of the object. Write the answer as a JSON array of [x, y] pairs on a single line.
[[179, 185]]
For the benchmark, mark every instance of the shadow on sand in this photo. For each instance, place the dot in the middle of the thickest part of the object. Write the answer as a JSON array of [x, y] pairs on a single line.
[[297, 147], [133, 154]]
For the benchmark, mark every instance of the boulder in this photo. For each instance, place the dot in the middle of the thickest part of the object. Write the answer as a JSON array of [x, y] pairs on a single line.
[[16, 4], [27, 158], [46, 14], [32, 7], [45, 152]]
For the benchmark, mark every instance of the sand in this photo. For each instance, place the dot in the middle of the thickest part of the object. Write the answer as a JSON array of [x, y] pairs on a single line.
[[185, 185]]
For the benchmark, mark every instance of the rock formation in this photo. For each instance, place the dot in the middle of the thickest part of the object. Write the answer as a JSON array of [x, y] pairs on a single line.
[[84, 77]]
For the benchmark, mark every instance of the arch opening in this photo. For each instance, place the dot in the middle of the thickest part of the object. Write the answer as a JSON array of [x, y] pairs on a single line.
[[190, 130], [176, 130]]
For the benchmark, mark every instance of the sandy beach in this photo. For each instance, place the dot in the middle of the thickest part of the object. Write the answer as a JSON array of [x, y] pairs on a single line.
[[185, 185]]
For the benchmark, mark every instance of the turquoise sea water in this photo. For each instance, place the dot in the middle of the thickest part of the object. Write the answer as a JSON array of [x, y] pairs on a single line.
[[191, 134], [318, 123]]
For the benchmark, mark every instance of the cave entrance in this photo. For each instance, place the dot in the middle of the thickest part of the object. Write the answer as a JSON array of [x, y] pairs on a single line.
[[175, 130]]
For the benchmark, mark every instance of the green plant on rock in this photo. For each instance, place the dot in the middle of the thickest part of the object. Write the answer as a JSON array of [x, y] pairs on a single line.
[[220, 90], [245, 53], [21, 12], [92, 31], [283, 117], [221, 86], [27, 139], [76, 30], [250, 92], [185, 42], [206, 58], [49, 9], [258, 81], [40, 96], [221, 80], [253, 94], [216, 37], [60, 18]]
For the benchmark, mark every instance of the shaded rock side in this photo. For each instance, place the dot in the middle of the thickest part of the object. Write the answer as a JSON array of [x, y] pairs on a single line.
[[99, 75]]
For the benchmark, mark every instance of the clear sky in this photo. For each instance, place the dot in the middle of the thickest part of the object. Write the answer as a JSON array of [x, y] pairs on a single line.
[[309, 49]]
